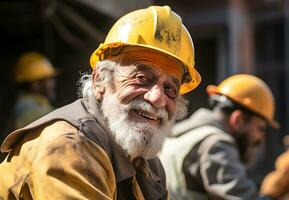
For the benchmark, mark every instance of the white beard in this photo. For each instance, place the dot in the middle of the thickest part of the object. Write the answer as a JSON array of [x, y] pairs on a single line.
[[138, 139]]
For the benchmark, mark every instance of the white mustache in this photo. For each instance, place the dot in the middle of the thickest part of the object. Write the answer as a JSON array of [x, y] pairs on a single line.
[[142, 139], [139, 104]]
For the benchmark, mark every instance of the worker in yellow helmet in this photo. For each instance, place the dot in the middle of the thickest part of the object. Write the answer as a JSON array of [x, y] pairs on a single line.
[[207, 156], [105, 144], [34, 76]]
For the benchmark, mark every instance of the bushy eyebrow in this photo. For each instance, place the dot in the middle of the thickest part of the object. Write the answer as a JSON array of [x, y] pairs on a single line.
[[144, 67], [148, 68]]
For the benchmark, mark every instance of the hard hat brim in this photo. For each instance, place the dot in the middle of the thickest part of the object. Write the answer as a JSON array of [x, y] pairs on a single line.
[[100, 54], [56, 72]]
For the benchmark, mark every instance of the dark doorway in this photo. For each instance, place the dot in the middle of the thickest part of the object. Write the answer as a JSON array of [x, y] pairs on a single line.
[[206, 65]]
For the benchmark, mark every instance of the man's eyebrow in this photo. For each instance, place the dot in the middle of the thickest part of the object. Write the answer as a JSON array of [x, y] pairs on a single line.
[[146, 67]]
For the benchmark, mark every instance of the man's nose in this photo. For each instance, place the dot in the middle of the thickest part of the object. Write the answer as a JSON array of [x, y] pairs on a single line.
[[156, 96], [261, 136]]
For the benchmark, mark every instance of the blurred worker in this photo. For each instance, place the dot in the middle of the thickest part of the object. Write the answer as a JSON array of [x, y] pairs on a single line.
[[35, 79], [206, 159], [34, 76], [104, 145]]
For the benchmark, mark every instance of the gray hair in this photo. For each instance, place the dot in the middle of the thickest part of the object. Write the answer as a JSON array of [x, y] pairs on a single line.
[[107, 68], [106, 76]]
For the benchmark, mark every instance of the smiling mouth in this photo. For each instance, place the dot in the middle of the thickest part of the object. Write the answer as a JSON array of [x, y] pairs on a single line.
[[146, 115]]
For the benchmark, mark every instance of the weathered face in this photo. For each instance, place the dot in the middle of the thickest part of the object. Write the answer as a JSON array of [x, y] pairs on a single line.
[[140, 107], [150, 84], [152, 78]]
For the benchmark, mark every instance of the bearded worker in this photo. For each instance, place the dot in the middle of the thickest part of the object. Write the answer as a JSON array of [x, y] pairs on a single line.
[[209, 155], [104, 145]]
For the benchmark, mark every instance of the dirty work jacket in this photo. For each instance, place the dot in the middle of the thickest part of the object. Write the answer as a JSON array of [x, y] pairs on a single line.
[[202, 162], [70, 154]]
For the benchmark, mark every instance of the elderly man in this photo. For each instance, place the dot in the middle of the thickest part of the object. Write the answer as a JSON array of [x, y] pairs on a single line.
[[104, 145], [207, 159]]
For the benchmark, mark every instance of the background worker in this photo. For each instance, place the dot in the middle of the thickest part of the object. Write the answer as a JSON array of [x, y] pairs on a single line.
[[34, 77], [207, 158], [104, 145]]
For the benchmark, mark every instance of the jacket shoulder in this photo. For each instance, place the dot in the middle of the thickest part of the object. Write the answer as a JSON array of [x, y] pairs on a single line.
[[73, 116]]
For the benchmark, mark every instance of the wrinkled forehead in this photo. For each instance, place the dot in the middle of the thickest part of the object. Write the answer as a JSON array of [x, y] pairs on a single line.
[[157, 60]]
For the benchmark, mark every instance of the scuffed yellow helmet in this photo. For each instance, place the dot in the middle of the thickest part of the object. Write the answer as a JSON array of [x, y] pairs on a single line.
[[157, 28]]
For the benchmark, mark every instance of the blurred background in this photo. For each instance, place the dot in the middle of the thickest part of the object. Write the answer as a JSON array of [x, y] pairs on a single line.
[[230, 36]]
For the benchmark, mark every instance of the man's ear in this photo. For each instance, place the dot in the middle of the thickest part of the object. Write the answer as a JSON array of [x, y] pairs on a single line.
[[98, 90], [236, 119]]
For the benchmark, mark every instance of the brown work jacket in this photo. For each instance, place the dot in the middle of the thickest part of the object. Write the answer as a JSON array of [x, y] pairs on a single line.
[[70, 154]]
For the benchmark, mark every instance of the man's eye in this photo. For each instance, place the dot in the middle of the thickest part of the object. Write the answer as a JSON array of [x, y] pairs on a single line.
[[142, 78], [171, 91]]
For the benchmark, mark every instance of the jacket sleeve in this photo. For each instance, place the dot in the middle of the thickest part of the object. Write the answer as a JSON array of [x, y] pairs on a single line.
[[71, 167], [223, 174]]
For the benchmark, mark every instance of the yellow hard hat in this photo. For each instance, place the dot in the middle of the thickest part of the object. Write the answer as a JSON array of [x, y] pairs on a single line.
[[249, 92], [33, 66], [156, 28]]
